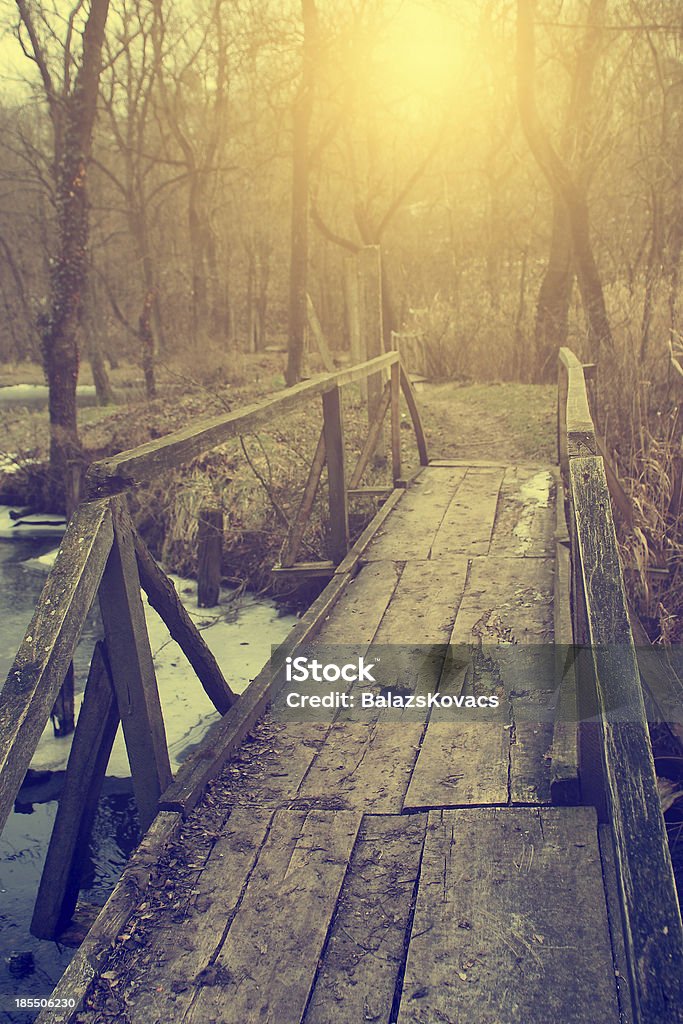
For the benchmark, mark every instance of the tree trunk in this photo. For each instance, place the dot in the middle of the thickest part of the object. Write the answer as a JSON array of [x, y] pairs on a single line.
[[73, 117], [147, 345], [552, 309], [298, 267]]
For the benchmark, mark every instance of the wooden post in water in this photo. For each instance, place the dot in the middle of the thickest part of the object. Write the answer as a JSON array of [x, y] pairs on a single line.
[[87, 766], [210, 552], [336, 474], [63, 711], [370, 294]]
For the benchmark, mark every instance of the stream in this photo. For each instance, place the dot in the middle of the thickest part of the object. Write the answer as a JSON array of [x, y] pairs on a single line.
[[240, 633]]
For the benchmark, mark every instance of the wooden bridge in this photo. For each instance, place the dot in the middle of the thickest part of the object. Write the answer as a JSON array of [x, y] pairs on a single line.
[[423, 868]]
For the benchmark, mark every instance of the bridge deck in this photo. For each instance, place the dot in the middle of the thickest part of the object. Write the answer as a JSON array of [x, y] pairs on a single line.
[[383, 870]]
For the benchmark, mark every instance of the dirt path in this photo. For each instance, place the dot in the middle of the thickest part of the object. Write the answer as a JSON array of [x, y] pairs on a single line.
[[489, 421]]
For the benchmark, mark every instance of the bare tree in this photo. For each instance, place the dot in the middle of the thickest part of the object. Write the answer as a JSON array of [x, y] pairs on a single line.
[[298, 265], [72, 104], [571, 221]]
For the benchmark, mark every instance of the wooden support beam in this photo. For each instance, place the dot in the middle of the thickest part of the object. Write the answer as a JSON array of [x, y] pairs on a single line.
[[164, 599], [333, 429], [85, 771], [411, 402], [298, 528], [209, 556], [372, 438], [306, 570], [29, 693], [132, 668], [617, 492]]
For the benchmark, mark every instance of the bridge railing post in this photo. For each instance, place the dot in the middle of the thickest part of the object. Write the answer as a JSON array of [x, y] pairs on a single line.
[[333, 429], [395, 414]]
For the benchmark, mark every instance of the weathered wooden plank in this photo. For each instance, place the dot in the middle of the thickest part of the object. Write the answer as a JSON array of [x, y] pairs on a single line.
[[368, 755], [531, 685], [93, 740], [132, 668], [163, 597], [510, 923], [62, 714], [653, 932], [96, 948], [506, 602], [414, 523], [224, 738], [333, 429], [616, 927], [359, 612], [467, 526], [464, 758], [365, 951], [209, 556], [525, 519], [267, 974], [169, 972], [181, 446], [42, 660], [504, 622]]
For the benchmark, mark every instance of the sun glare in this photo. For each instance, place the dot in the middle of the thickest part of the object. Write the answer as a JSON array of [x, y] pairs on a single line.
[[421, 53]]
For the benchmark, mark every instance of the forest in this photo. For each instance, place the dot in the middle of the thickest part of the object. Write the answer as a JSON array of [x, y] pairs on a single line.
[[181, 180]]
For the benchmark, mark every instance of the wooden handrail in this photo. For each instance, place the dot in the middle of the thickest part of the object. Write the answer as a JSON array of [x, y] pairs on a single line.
[[176, 449], [653, 930]]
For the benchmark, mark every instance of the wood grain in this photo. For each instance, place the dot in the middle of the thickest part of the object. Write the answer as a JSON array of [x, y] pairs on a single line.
[[510, 923], [266, 974], [132, 668]]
